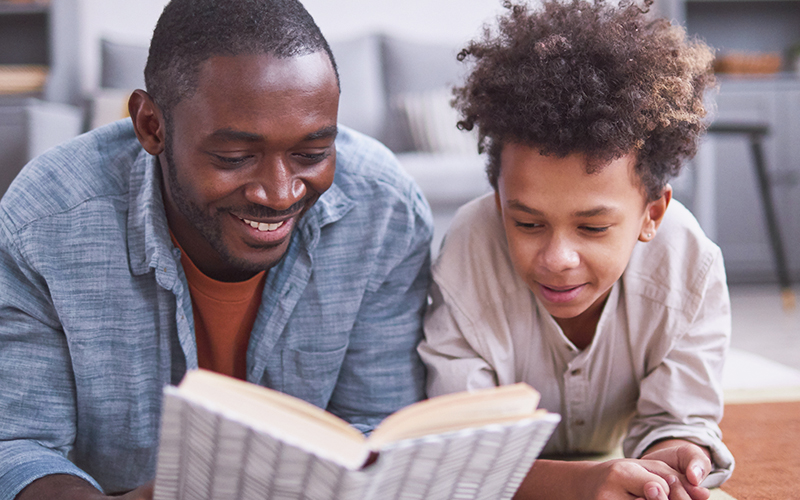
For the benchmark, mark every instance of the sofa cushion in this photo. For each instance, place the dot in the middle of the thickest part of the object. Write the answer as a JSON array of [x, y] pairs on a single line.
[[432, 121], [122, 65], [363, 102], [414, 67]]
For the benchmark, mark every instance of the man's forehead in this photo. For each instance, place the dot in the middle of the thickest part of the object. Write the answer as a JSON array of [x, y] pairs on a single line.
[[270, 67]]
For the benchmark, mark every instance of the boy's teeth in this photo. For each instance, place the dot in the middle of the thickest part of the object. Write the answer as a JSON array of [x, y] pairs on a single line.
[[263, 226]]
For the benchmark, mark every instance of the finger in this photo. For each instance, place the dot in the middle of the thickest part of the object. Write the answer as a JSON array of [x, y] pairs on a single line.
[[697, 470], [694, 463], [683, 490], [654, 491], [643, 483]]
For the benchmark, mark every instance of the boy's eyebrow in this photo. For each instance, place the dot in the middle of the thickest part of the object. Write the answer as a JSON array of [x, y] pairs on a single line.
[[592, 212], [518, 205]]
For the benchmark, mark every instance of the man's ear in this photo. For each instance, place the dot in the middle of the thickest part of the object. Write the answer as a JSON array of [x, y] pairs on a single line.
[[148, 122], [654, 214]]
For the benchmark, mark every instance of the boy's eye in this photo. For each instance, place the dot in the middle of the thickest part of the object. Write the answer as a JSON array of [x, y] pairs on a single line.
[[527, 225], [595, 229]]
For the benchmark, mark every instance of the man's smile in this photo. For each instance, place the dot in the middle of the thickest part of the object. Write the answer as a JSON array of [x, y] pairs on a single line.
[[263, 226]]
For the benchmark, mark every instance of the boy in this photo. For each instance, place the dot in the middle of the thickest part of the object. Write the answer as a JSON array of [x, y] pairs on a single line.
[[580, 275]]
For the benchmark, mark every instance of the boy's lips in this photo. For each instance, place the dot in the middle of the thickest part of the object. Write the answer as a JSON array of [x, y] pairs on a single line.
[[561, 294]]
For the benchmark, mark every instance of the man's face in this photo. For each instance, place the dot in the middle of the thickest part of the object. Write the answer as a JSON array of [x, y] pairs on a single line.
[[246, 156], [570, 233]]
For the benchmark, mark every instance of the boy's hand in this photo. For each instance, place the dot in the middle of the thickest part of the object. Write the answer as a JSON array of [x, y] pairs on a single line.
[[627, 478], [693, 462], [622, 479]]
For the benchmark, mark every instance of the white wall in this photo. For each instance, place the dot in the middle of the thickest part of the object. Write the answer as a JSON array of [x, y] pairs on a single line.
[[449, 21], [79, 25]]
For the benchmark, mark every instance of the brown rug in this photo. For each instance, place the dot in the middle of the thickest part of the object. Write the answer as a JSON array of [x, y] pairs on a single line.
[[765, 440]]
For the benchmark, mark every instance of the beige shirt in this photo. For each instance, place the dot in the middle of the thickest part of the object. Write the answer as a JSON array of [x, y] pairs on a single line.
[[653, 370]]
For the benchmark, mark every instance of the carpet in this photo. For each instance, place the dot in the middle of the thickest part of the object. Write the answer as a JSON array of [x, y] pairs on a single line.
[[765, 440]]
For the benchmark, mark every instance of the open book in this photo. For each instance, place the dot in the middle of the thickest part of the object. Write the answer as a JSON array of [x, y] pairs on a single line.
[[225, 439]]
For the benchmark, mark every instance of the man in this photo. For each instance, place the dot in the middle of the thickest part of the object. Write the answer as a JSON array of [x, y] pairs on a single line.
[[125, 262]]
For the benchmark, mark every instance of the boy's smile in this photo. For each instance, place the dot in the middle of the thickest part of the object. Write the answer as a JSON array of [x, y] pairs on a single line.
[[571, 233]]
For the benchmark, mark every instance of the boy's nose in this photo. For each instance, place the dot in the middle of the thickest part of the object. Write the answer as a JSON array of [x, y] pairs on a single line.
[[559, 254]]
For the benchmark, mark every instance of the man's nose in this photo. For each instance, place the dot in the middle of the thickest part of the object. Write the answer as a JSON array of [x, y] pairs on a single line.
[[275, 185]]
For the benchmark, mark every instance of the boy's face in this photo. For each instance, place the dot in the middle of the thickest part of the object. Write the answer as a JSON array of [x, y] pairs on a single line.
[[570, 233]]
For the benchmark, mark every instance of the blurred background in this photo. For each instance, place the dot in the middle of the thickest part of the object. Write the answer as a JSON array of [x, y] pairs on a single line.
[[67, 66]]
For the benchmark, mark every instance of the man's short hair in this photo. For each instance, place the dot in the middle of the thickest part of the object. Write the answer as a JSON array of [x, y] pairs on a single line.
[[589, 77], [191, 31]]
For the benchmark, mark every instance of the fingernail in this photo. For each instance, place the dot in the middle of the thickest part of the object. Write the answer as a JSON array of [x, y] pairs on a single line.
[[651, 492], [698, 471], [672, 480]]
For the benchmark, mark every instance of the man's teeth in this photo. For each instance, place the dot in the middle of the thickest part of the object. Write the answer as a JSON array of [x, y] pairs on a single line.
[[263, 226]]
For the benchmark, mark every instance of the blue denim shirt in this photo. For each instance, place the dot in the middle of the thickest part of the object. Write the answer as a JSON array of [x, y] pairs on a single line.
[[95, 312]]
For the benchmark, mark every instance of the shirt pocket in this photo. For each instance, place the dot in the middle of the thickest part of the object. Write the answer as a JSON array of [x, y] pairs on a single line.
[[311, 375]]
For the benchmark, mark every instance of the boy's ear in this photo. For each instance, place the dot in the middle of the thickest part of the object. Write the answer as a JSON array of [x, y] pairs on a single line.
[[654, 214], [148, 122]]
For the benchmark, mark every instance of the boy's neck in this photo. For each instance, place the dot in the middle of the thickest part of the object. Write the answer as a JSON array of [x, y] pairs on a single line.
[[581, 329]]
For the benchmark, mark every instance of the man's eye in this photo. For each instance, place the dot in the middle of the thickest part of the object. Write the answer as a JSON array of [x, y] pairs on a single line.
[[232, 160], [313, 157], [595, 229]]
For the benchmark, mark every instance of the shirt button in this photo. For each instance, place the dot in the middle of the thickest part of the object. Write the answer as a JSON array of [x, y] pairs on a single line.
[[580, 422], [575, 372]]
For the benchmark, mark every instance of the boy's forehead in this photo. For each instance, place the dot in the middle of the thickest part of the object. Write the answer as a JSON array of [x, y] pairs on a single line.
[[530, 178]]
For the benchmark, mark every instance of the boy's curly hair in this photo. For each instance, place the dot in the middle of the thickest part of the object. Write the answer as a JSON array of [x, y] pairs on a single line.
[[588, 77]]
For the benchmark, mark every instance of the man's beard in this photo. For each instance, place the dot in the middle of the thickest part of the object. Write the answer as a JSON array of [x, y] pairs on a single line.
[[209, 225]]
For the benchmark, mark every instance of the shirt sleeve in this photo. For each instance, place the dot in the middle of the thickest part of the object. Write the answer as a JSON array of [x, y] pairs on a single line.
[[682, 396], [37, 394], [453, 364], [382, 372]]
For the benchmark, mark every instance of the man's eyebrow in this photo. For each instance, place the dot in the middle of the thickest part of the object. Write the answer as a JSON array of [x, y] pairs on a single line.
[[323, 133], [227, 134]]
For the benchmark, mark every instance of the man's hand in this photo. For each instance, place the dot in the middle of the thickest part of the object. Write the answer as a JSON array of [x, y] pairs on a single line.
[[68, 487], [144, 492], [690, 460]]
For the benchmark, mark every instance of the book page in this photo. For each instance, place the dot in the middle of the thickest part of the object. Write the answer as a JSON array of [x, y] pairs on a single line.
[[290, 418], [458, 411]]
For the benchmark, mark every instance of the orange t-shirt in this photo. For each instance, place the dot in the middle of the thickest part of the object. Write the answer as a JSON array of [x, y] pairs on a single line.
[[224, 314]]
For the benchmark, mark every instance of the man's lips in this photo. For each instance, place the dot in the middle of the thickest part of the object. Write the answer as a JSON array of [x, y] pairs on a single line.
[[268, 231], [561, 294], [263, 226]]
